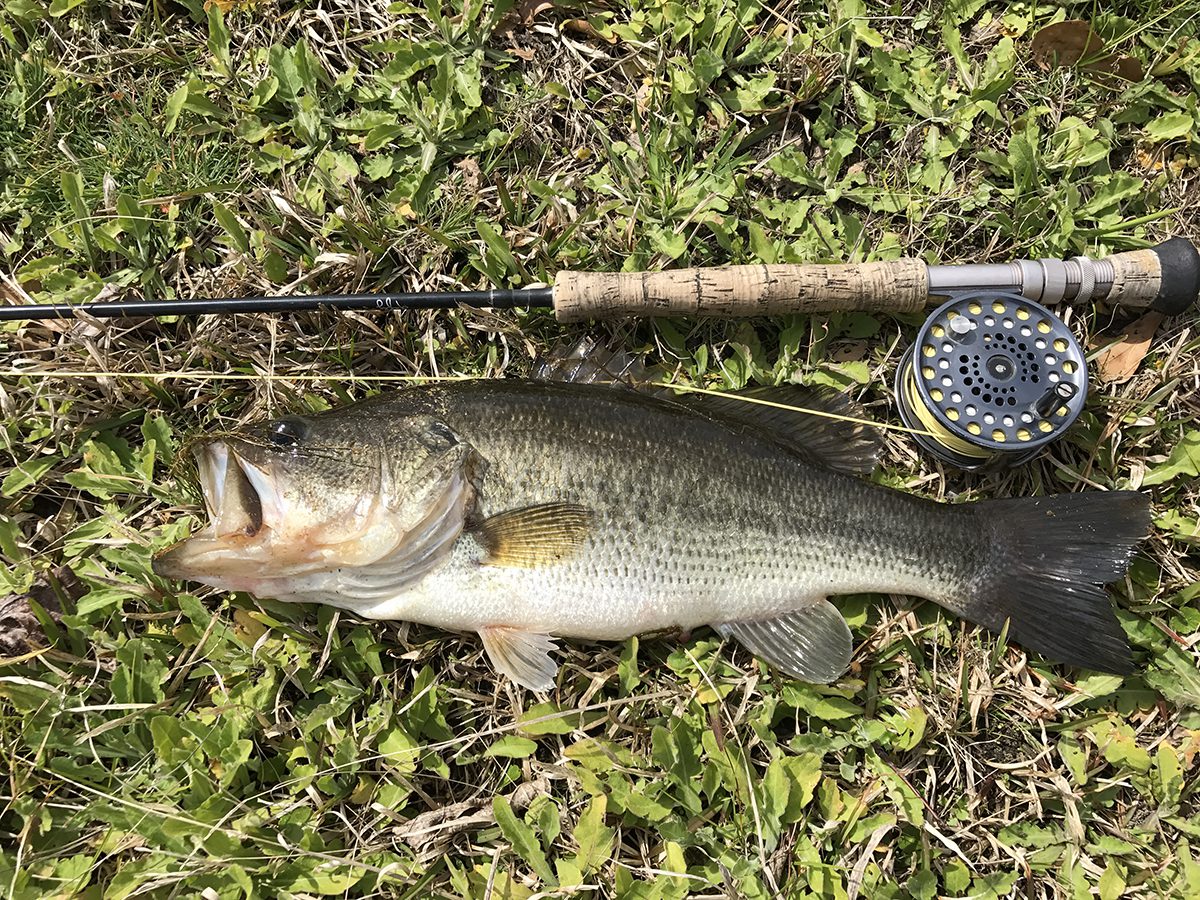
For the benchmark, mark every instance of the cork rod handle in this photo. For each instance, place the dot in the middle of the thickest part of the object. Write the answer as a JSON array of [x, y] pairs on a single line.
[[897, 286]]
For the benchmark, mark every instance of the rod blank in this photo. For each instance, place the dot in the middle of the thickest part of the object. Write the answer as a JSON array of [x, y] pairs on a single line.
[[501, 299]]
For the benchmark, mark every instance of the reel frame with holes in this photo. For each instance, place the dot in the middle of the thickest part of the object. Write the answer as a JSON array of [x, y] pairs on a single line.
[[993, 378]]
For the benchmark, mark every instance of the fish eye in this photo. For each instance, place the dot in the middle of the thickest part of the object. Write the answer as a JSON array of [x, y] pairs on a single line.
[[285, 433], [443, 433]]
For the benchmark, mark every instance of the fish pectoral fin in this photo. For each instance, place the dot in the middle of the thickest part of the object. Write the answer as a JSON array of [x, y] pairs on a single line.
[[535, 535], [524, 656], [812, 643]]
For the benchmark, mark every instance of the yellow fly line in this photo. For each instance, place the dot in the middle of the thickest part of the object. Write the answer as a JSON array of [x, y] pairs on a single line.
[[934, 428], [383, 379]]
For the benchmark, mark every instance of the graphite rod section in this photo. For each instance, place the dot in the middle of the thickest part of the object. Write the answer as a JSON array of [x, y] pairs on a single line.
[[496, 299]]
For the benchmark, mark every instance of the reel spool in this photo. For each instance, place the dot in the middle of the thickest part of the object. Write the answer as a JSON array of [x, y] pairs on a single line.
[[994, 377]]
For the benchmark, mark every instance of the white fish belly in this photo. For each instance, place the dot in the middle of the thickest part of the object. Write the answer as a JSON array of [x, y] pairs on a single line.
[[594, 596]]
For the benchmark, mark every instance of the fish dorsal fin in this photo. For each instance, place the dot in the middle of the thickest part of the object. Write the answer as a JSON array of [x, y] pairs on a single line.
[[812, 643], [534, 535], [521, 655], [586, 362], [850, 447]]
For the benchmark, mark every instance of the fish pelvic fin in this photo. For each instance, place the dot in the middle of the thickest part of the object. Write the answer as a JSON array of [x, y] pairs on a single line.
[[828, 438], [521, 655], [1052, 556], [533, 535], [812, 644]]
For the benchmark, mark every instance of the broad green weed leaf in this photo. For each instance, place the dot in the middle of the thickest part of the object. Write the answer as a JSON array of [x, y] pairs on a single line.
[[1169, 126], [498, 247], [1168, 776], [1022, 156], [233, 227], [380, 136], [1184, 460], [315, 876], [707, 67], [900, 791], [956, 877], [1119, 745], [829, 707], [25, 475], [62, 7], [218, 39], [511, 746], [141, 674], [467, 82], [72, 189], [410, 58], [1112, 882], [595, 839], [524, 841], [174, 107], [399, 749], [922, 885], [1075, 755], [628, 671], [131, 217], [283, 66], [547, 718], [1175, 676], [803, 772]]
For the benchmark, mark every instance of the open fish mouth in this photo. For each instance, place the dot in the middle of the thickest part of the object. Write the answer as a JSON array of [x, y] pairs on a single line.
[[243, 507], [236, 493]]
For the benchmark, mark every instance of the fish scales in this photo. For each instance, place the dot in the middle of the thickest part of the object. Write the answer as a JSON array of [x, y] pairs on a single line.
[[695, 523]]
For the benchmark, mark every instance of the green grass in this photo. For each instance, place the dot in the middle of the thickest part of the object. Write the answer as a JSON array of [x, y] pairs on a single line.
[[162, 742]]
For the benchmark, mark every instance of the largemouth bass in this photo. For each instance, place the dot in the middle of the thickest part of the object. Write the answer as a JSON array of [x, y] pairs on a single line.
[[526, 511]]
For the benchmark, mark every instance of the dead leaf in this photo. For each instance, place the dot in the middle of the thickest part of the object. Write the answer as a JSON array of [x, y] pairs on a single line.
[[472, 175], [1065, 44], [849, 351], [520, 18], [20, 630], [529, 10], [587, 29], [1072, 43], [1129, 68], [1119, 361]]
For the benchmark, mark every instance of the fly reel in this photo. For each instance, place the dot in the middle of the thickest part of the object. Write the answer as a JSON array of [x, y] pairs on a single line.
[[992, 378]]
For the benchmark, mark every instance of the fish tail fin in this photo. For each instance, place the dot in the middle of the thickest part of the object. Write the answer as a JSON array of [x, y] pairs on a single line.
[[1050, 558]]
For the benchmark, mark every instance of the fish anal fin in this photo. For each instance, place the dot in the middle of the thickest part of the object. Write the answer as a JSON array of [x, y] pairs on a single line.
[[534, 535], [523, 656], [845, 446], [812, 643]]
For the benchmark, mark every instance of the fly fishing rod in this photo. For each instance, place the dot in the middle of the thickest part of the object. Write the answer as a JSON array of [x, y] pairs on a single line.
[[1164, 278]]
